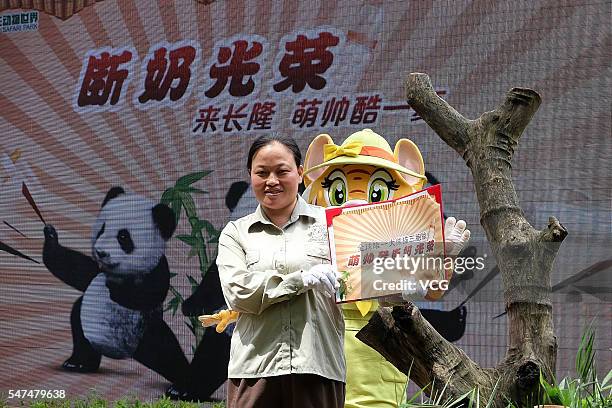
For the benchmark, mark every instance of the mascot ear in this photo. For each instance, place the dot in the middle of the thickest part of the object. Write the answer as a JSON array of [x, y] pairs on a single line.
[[314, 156], [409, 156], [112, 193], [164, 218]]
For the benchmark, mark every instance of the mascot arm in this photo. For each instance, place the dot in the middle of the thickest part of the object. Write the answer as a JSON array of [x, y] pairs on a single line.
[[247, 290], [71, 267], [143, 292]]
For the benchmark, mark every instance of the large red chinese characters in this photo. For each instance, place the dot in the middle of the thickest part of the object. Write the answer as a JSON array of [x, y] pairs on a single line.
[[104, 78], [163, 71], [234, 66], [305, 62]]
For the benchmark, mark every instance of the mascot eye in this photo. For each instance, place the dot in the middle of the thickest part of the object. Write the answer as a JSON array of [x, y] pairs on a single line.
[[335, 188], [381, 186], [379, 191], [337, 192], [125, 241]]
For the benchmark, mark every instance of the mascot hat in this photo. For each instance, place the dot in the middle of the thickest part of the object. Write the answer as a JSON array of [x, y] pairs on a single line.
[[363, 147]]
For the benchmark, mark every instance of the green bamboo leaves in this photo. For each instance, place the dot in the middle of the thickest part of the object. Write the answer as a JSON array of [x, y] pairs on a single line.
[[180, 198]]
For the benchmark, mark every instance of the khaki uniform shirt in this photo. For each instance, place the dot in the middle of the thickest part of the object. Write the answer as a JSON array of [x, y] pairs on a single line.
[[282, 328]]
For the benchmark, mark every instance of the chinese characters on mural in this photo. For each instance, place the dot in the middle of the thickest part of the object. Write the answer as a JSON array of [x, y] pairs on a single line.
[[166, 77], [307, 113], [305, 61], [168, 73], [17, 22], [232, 98], [104, 78], [237, 66]]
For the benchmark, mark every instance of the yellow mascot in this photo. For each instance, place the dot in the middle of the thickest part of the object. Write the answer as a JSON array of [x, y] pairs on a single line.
[[363, 169]]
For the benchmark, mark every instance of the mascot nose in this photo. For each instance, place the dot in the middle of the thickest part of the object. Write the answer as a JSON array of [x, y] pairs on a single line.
[[101, 254]]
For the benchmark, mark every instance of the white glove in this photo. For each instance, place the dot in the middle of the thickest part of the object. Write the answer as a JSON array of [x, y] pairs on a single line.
[[321, 277], [455, 236]]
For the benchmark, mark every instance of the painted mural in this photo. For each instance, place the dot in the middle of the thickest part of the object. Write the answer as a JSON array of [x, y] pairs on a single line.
[[117, 113]]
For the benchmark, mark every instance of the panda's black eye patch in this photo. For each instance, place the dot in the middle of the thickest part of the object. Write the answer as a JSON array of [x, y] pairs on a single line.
[[101, 231], [125, 241]]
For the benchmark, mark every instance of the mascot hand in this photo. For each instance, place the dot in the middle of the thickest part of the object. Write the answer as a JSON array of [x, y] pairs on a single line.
[[455, 236], [322, 277], [222, 319]]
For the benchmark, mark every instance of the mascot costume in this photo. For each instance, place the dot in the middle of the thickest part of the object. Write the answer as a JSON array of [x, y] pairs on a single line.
[[364, 169]]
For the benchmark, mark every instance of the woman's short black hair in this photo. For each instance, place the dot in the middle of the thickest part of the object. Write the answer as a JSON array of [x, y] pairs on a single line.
[[265, 140]]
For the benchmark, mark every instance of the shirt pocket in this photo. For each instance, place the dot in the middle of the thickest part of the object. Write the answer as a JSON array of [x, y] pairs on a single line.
[[317, 253], [252, 258]]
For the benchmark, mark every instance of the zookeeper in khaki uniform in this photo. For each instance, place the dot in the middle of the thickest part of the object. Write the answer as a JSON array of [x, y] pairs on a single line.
[[274, 266]]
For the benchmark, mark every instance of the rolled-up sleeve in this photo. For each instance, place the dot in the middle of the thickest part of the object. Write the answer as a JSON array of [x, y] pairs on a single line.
[[251, 291]]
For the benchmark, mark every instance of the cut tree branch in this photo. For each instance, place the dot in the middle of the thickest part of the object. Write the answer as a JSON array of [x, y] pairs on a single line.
[[425, 351], [439, 115]]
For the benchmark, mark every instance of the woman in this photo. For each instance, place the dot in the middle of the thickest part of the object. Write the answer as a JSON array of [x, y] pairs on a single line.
[[274, 266]]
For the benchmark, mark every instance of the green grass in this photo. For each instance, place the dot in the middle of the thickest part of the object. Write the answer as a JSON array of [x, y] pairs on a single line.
[[96, 401], [587, 390]]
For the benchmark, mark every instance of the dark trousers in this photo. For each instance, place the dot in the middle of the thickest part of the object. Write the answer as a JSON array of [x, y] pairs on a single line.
[[285, 391]]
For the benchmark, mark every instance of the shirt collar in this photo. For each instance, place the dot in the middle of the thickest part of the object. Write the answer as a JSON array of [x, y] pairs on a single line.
[[302, 208]]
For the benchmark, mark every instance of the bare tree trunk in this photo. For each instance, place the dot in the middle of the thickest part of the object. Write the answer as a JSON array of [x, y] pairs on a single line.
[[524, 255]]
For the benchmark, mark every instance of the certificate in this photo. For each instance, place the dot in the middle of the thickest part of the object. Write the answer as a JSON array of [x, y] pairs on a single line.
[[383, 248]]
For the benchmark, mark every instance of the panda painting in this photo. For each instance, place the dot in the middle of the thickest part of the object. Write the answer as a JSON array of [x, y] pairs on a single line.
[[124, 283]]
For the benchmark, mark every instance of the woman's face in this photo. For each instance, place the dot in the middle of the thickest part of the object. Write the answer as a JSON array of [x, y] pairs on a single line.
[[275, 177]]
